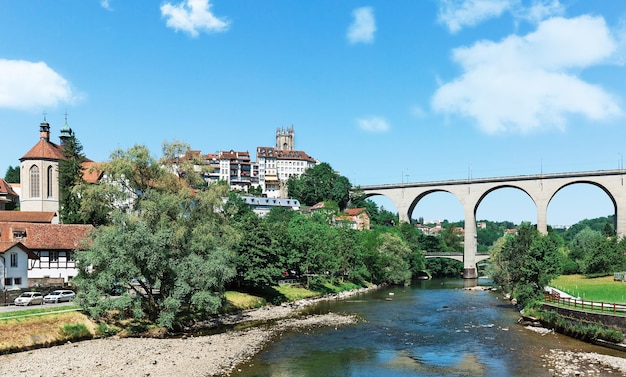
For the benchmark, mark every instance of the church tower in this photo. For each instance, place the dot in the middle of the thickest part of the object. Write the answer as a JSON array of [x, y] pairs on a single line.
[[285, 139], [39, 174]]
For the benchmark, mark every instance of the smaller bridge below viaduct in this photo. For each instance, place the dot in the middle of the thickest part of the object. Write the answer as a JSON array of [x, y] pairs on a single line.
[[470, 192]]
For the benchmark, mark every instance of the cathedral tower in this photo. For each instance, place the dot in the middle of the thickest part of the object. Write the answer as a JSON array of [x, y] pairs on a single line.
[[285, 139]]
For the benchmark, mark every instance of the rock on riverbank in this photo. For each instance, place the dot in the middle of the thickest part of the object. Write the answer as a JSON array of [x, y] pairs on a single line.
[[567, 363], [184, 357]]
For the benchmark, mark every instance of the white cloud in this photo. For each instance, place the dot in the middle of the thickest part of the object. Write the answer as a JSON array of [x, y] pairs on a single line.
[[456, 14], [363, 26], [522, 84], [106, 4], [27, 85], [540, 10], [373, 124], [192, 16]]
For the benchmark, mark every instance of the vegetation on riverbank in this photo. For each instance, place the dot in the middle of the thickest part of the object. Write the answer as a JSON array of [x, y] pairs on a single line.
[[47, 326], [575, 328], [603, 289], [176, 245]]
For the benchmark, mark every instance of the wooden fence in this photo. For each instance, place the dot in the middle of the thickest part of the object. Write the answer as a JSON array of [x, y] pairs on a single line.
[[555, 298]]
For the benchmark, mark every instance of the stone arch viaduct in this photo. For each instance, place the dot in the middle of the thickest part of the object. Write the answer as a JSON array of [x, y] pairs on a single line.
[[470, 192]]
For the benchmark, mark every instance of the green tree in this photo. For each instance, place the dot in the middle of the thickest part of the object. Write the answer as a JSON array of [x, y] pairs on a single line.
[[383, 217], [528, 261], [257, 264], [604, 257], [351, 252], [173, 251], [236, 207], [314, 244], [12, 174], [320, 183], [584, 242], [70, 179], [412, 236], [387, 260], [452, 239], [444, 267]]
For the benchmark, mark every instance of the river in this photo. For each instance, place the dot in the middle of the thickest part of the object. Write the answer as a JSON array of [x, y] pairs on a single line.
[[431, 328]]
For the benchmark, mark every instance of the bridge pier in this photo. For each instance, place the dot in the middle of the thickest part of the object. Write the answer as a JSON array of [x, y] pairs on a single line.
[[470, 273]]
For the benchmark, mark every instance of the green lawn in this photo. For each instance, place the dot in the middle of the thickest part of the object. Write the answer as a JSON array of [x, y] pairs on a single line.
[[602, 289], [38, 310]]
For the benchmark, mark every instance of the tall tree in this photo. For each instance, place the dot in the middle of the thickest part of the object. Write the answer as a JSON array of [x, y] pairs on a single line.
[[173, 251], [257, 264], [13, 174], [320, 183], [70, 179], [529, 261]]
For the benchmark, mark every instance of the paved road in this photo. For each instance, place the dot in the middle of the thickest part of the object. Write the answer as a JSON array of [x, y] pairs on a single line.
[[13, 308]]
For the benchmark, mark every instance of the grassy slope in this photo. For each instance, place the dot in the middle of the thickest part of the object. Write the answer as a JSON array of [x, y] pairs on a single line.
[[38, 326], [602, 289]]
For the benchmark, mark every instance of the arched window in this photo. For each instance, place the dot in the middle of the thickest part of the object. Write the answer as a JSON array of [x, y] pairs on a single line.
[[34, 181], [49, 183]]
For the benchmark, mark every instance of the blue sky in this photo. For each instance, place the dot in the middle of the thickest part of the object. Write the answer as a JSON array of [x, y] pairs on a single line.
[[383, 91]]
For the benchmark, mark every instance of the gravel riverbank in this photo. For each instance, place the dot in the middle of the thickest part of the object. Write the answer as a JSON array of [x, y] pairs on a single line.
[[209, 355]]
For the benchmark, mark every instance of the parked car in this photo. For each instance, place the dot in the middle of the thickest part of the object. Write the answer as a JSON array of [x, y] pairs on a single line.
[[59, 296], [29, 298]]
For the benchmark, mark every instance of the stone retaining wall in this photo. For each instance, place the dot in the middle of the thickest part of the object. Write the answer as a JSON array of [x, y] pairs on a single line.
[[608, 320]]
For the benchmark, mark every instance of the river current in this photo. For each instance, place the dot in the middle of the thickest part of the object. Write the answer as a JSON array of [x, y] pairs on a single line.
[[431, 328]]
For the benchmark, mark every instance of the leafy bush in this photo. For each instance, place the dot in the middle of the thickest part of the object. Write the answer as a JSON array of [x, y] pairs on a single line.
[[105, 330], [75, 332]]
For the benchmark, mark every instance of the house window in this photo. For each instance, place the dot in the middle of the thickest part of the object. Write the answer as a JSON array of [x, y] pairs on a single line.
[[8, 281], [54, 256], [17, 281], [49, 181], [19, 233], [34, 181], [13, 259]]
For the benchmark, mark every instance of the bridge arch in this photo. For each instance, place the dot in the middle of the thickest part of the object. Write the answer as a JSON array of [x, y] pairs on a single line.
[[598, 185], [500, 187], [411, 208], [540, 187]]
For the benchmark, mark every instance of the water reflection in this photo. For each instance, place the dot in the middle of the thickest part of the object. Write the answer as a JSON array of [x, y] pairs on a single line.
[[434, 328]]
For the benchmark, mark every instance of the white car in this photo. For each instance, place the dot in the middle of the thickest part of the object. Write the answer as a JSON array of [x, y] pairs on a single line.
[[59, 296], [29, 298]]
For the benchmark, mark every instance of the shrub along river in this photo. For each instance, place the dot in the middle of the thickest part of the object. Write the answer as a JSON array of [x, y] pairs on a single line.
[[432, 328]]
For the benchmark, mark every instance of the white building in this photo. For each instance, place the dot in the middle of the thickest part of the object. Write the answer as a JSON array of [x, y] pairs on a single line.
[[262, 206], [277, 164], [14, 258]]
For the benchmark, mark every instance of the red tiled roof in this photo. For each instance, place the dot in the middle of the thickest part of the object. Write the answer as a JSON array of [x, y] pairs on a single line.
[[6, 189], [317, 206], [91, 174], [6, 246], [44, 149], [354, 211], [48, 236], [26, 216], [279, 154]]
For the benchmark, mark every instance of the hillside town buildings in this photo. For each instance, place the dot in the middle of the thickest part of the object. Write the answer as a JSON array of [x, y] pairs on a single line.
[[35, 250]]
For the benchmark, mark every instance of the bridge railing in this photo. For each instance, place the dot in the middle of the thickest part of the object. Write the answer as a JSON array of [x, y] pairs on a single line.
[[585, 305]]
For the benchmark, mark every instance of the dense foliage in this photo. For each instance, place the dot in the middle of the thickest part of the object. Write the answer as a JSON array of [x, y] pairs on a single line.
[[524, 263], [169, 245], [320, 183], [70, 180], [169, 250], [12, 175]]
